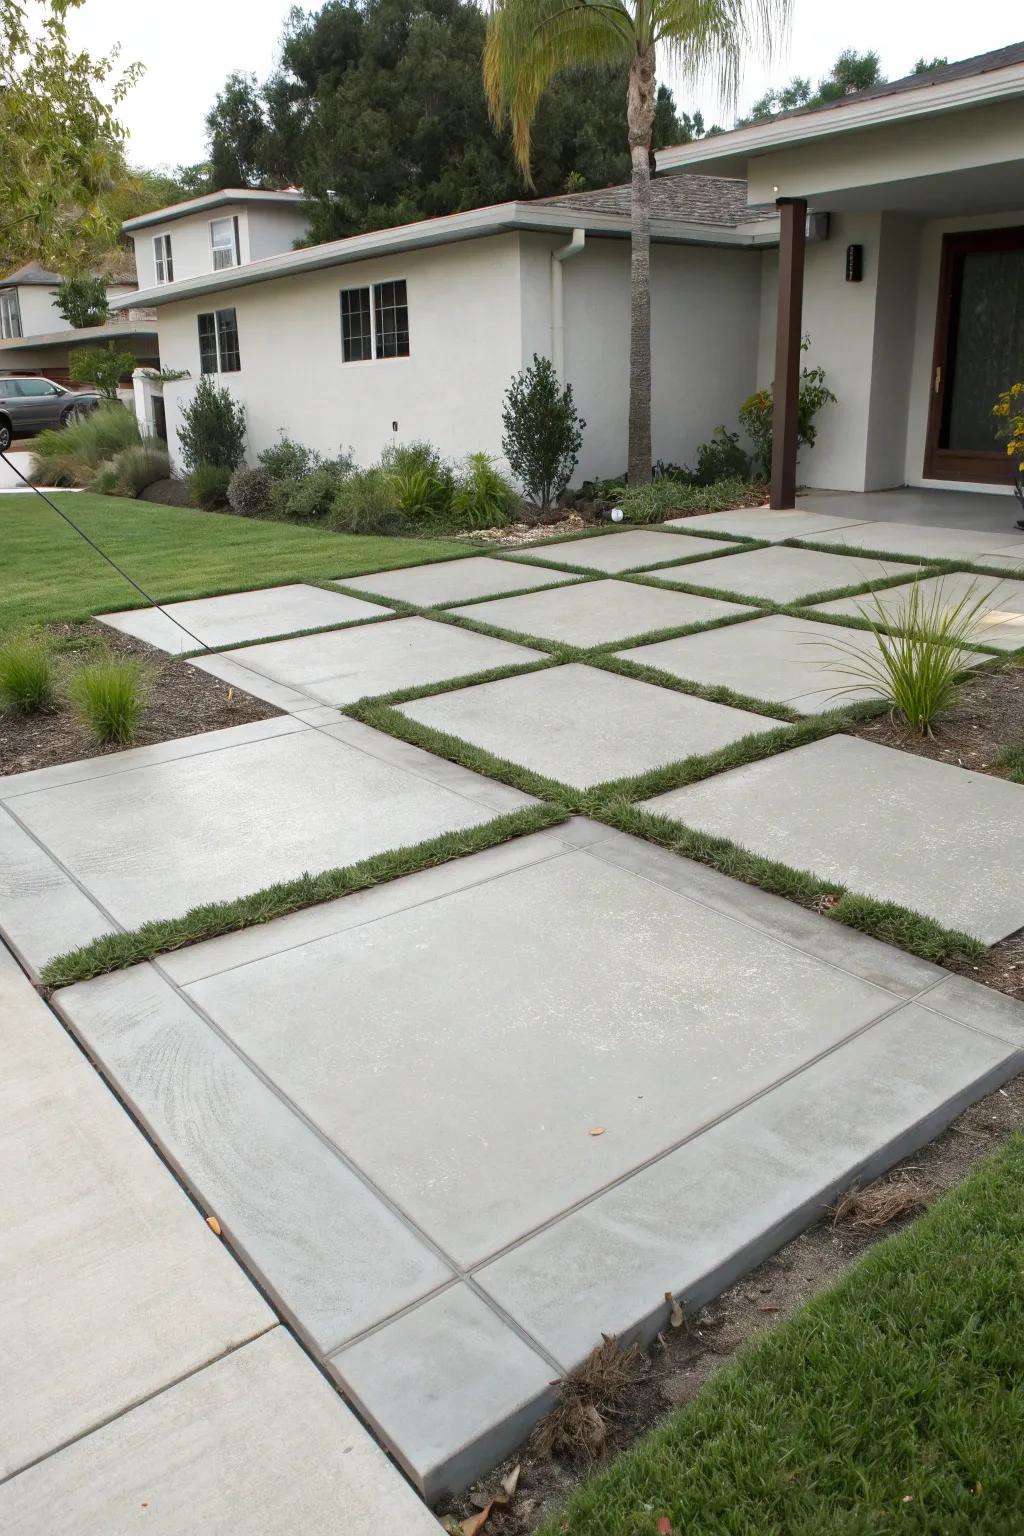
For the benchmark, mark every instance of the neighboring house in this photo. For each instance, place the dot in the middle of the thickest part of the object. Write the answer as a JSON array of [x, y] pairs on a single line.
[[35, 337], [911, 288]]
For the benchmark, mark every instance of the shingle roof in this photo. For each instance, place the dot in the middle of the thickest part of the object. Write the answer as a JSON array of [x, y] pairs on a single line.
[[115, 266], [960, 69], [680, 199]]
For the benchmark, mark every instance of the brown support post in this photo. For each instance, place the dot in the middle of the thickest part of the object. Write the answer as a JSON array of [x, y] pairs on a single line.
[[792, 238]]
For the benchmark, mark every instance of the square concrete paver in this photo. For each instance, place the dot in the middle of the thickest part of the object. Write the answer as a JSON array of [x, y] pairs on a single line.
[[238, 616], [166, 835], [597, 612], [582, 726], [456, 1047], [781, 659], [785, 575], [936, 838], [932, 543], [1000, 623], [762, 523], [353, 664], [638, 549], [455, 581]]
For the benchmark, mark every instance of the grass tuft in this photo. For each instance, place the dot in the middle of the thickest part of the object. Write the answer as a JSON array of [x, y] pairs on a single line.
[[27, 680], [110, 695]]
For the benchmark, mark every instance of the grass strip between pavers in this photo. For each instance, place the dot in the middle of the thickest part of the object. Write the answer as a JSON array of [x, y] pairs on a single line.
[[892, 1402], [115, 951]]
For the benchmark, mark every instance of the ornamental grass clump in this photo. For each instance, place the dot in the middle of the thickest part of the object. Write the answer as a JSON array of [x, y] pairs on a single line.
[[919, 659], [110, 695], [27, 682]]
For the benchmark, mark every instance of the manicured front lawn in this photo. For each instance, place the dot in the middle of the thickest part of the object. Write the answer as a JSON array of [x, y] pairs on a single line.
[[48, 573], [892, 1402]]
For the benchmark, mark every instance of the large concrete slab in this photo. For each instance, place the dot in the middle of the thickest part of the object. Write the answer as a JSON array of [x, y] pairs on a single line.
[[932, 543], [170, 834], [635, 550], [763, 523], [777, 658], [993, 511], [258, 1444], [113, 1286], [457, 1051], [582, 726], [353, 664], [597, 612], [444, 582], [936, 838], [785, 575], [239, 616], [1000, 623]]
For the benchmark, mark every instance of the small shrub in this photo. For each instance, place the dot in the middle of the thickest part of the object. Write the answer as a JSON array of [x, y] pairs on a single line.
[[757, 414], [131, 470], [110, 695], [666, 498], [208, 486], [26, 674], [365, 503], [249, 491], [422, 482], [104, 481], [213, 428], [102, 368], [288, 460], [665, 470], [72, 455], [1011, 761], [722, 458], [543, 431], [82, 301], [917, 672], [483, 497]]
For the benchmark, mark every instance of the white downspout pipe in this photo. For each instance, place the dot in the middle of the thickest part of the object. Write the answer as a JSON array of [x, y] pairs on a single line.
[[563, 254]]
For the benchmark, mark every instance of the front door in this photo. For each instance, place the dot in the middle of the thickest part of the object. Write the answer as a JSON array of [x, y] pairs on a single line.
[[979, 351]]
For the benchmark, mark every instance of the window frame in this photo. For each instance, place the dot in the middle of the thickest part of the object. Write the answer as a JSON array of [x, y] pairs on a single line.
[[219, 341], [234, 246], [10, 314], [376, 301], [163, 258]]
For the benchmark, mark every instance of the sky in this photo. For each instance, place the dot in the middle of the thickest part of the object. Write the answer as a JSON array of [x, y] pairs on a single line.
[[189, 47]]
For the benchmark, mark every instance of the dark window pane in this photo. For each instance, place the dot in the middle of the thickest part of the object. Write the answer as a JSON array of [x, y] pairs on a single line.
[[207, 344], [356, 331], [988, 347], [392, 319], [227, 337]]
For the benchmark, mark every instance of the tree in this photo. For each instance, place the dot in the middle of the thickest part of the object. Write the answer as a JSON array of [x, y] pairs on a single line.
[[531, 42], [543, 431], [102, 368], [82, 301], [929, 66], [851, 72], [62, 143], [212, 431]]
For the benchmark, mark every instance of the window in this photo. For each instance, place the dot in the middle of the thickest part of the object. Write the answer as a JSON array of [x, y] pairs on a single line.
[[224, 243], [37, 388], [162, 259], [10, 314], [386, 334], [218, 342]]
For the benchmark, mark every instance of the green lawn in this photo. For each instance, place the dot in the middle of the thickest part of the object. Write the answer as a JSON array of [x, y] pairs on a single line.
[[48, 573], [894, 1402]]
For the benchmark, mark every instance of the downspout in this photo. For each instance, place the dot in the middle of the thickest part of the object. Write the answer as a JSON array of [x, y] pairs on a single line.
[[563, 254]]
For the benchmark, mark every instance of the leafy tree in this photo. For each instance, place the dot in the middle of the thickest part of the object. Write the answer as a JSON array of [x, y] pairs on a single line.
[[82, 301], [212, 433], [929, 66], [62, 143], [851, 72], [543, 431], [102, 368], [532, 42]]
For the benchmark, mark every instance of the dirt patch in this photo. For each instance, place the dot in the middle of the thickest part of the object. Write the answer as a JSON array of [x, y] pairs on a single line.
[[183, 701], [988, 717], [513, 535], [683, 1360]]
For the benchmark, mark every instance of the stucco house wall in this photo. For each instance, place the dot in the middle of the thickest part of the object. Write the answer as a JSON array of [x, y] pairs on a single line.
[[263, 230]]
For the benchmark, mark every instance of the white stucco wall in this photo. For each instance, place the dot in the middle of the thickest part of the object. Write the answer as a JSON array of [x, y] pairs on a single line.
[[273, 228], [263, 230]]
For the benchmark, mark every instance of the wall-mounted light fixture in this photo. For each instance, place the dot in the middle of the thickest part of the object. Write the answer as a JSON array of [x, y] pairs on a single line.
[[854, 263]]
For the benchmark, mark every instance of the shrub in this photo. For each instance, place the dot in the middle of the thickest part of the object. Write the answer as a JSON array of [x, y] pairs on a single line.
[[26, 673], [131, 470], [288, 460], [213, 428], [313, 496], [483, 497], [208, 486], [110, 695], [249, 491], [721, 459], [82, 301], [543, 431], [421, 481], [664, 498], [917, 672], [71, 455], [365, 503], [102, 368], [757, 414]]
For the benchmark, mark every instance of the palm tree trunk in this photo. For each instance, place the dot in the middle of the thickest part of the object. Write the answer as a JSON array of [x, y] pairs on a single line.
[[641, 102]]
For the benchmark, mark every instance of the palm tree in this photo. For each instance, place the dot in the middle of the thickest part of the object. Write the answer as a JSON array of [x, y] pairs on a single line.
[[529, 42]]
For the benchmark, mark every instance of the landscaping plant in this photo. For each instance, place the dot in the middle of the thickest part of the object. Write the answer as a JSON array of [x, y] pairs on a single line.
[[110, 695], [723, 458], [758, 412], [102, 368], [213, 428], [288, 460], [483, 497], [420, 480], [1009, 409], [131, 470], [82, 301], [249, 491], [208, 486], [917, 667], [26, 673], [543, 431], [72, 455]]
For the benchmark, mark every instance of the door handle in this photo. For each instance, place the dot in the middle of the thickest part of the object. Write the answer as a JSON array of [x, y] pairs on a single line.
[[938, 379]]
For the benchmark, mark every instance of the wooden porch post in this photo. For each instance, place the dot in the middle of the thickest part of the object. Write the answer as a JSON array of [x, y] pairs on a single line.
[[792, 238]]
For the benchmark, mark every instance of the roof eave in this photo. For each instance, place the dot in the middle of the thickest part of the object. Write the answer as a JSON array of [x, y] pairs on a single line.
[[226, 198], [82, 333]]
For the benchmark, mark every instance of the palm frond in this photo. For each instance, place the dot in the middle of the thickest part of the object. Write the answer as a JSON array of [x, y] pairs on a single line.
[[709, 39]]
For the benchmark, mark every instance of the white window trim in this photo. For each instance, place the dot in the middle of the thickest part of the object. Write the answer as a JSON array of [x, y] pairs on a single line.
[[375, 357], [163, 258], [10, 303], [234, 246]]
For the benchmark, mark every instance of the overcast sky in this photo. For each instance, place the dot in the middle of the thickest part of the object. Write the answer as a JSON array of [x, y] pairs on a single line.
[[190, 46]]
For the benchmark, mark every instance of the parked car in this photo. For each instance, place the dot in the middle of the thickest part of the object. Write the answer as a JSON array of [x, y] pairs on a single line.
[[29, 403]]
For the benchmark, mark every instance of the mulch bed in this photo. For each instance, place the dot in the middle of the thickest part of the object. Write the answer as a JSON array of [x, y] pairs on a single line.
[[183, 701]]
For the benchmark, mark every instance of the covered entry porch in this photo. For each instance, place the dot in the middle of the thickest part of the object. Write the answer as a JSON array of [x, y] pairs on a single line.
[[925, 507]]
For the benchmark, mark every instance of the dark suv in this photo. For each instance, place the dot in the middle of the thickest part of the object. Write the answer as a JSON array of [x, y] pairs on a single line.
[[29, 403]]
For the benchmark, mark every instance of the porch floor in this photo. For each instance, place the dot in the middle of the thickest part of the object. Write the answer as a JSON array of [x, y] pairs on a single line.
[[987, 512]]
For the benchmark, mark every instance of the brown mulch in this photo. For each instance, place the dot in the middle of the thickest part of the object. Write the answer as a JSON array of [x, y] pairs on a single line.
[[988, 717], [683, 1360], [183, 701]]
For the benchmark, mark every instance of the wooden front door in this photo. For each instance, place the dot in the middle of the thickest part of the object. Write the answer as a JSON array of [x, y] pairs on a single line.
[[979, 351]]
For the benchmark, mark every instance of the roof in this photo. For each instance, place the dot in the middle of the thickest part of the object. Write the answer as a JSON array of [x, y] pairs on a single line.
[[116, 266], [123, 331], [228, 196], [33, 275], [715, 200], [962, 69]]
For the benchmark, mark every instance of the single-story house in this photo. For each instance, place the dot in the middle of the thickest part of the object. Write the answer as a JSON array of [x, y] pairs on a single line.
[[36, 338], [895, 218]]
